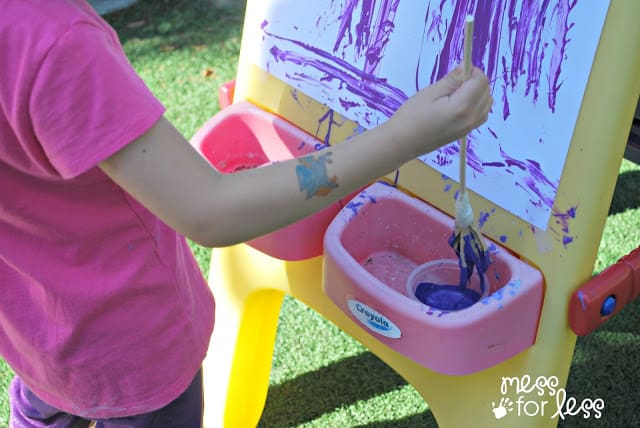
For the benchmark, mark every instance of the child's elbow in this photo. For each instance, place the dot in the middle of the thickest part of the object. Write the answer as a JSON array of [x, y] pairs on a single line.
[[210, 234]]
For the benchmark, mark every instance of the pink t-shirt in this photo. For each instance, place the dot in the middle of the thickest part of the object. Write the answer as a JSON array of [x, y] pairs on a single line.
[[103, 309]]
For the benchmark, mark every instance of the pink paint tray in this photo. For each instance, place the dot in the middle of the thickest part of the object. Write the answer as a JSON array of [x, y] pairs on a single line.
[[371, 248], [244, 136]]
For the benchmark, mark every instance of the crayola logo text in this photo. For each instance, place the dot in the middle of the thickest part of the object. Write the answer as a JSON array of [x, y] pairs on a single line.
[[374, 320]]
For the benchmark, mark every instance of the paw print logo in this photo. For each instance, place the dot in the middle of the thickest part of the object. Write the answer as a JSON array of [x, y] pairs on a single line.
[[505, 406]]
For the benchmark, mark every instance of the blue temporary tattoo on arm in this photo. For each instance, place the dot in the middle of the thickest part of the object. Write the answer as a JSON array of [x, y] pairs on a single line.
[[312, 176]]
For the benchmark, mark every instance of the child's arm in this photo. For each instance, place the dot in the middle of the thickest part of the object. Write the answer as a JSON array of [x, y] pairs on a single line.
[[170, 178]]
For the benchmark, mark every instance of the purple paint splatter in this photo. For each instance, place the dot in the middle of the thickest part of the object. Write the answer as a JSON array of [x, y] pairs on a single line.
[[294, 95], [482, 219], [566, 240], [362, 199], [563, 219]]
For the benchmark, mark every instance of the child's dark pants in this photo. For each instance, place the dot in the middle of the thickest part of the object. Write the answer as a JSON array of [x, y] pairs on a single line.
[[28, 411]]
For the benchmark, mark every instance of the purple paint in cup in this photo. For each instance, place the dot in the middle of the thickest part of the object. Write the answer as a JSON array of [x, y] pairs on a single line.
[[436, 284]]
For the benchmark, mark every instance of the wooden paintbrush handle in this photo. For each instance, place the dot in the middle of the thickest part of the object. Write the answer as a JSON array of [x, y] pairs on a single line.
[[466, 66], [468, 44]]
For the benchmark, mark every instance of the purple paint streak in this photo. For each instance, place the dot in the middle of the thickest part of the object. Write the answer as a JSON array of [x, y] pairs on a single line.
[[396, 178], [442, 159], [294, 95], [451, 54], [494, 164], [347, 104], [445, 155], [331, 122], [561, 12], [534, 182], [581, 298], [381, 33], [371, 35], [345, 24], [504, 96]]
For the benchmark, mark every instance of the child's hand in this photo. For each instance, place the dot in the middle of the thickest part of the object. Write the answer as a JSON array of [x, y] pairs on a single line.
[[441, 113]]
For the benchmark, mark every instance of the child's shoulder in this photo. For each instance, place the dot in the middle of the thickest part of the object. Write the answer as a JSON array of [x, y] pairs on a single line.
[[30, 28], [34, 24]]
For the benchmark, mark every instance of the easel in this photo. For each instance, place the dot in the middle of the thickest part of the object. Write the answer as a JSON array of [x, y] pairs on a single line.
[[248, 300]]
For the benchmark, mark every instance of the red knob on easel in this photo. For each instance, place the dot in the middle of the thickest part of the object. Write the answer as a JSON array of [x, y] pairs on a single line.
[[605, 294]]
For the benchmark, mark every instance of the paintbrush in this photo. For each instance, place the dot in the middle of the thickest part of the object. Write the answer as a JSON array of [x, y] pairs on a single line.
[[466, 241]]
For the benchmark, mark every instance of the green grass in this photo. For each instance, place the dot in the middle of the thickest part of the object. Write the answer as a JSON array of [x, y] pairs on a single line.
[[185, 50]]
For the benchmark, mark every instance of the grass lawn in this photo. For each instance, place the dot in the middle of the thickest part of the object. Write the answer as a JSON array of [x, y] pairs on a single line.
[[185, 50]]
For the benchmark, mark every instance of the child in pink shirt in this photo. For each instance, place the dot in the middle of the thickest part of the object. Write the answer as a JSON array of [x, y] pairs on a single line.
[[104, 314]]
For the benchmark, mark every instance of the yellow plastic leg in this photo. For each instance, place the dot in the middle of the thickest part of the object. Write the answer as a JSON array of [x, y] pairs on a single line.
[[236, 370]]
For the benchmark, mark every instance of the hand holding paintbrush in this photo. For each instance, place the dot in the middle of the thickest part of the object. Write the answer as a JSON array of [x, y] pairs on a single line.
[[465, 240]]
